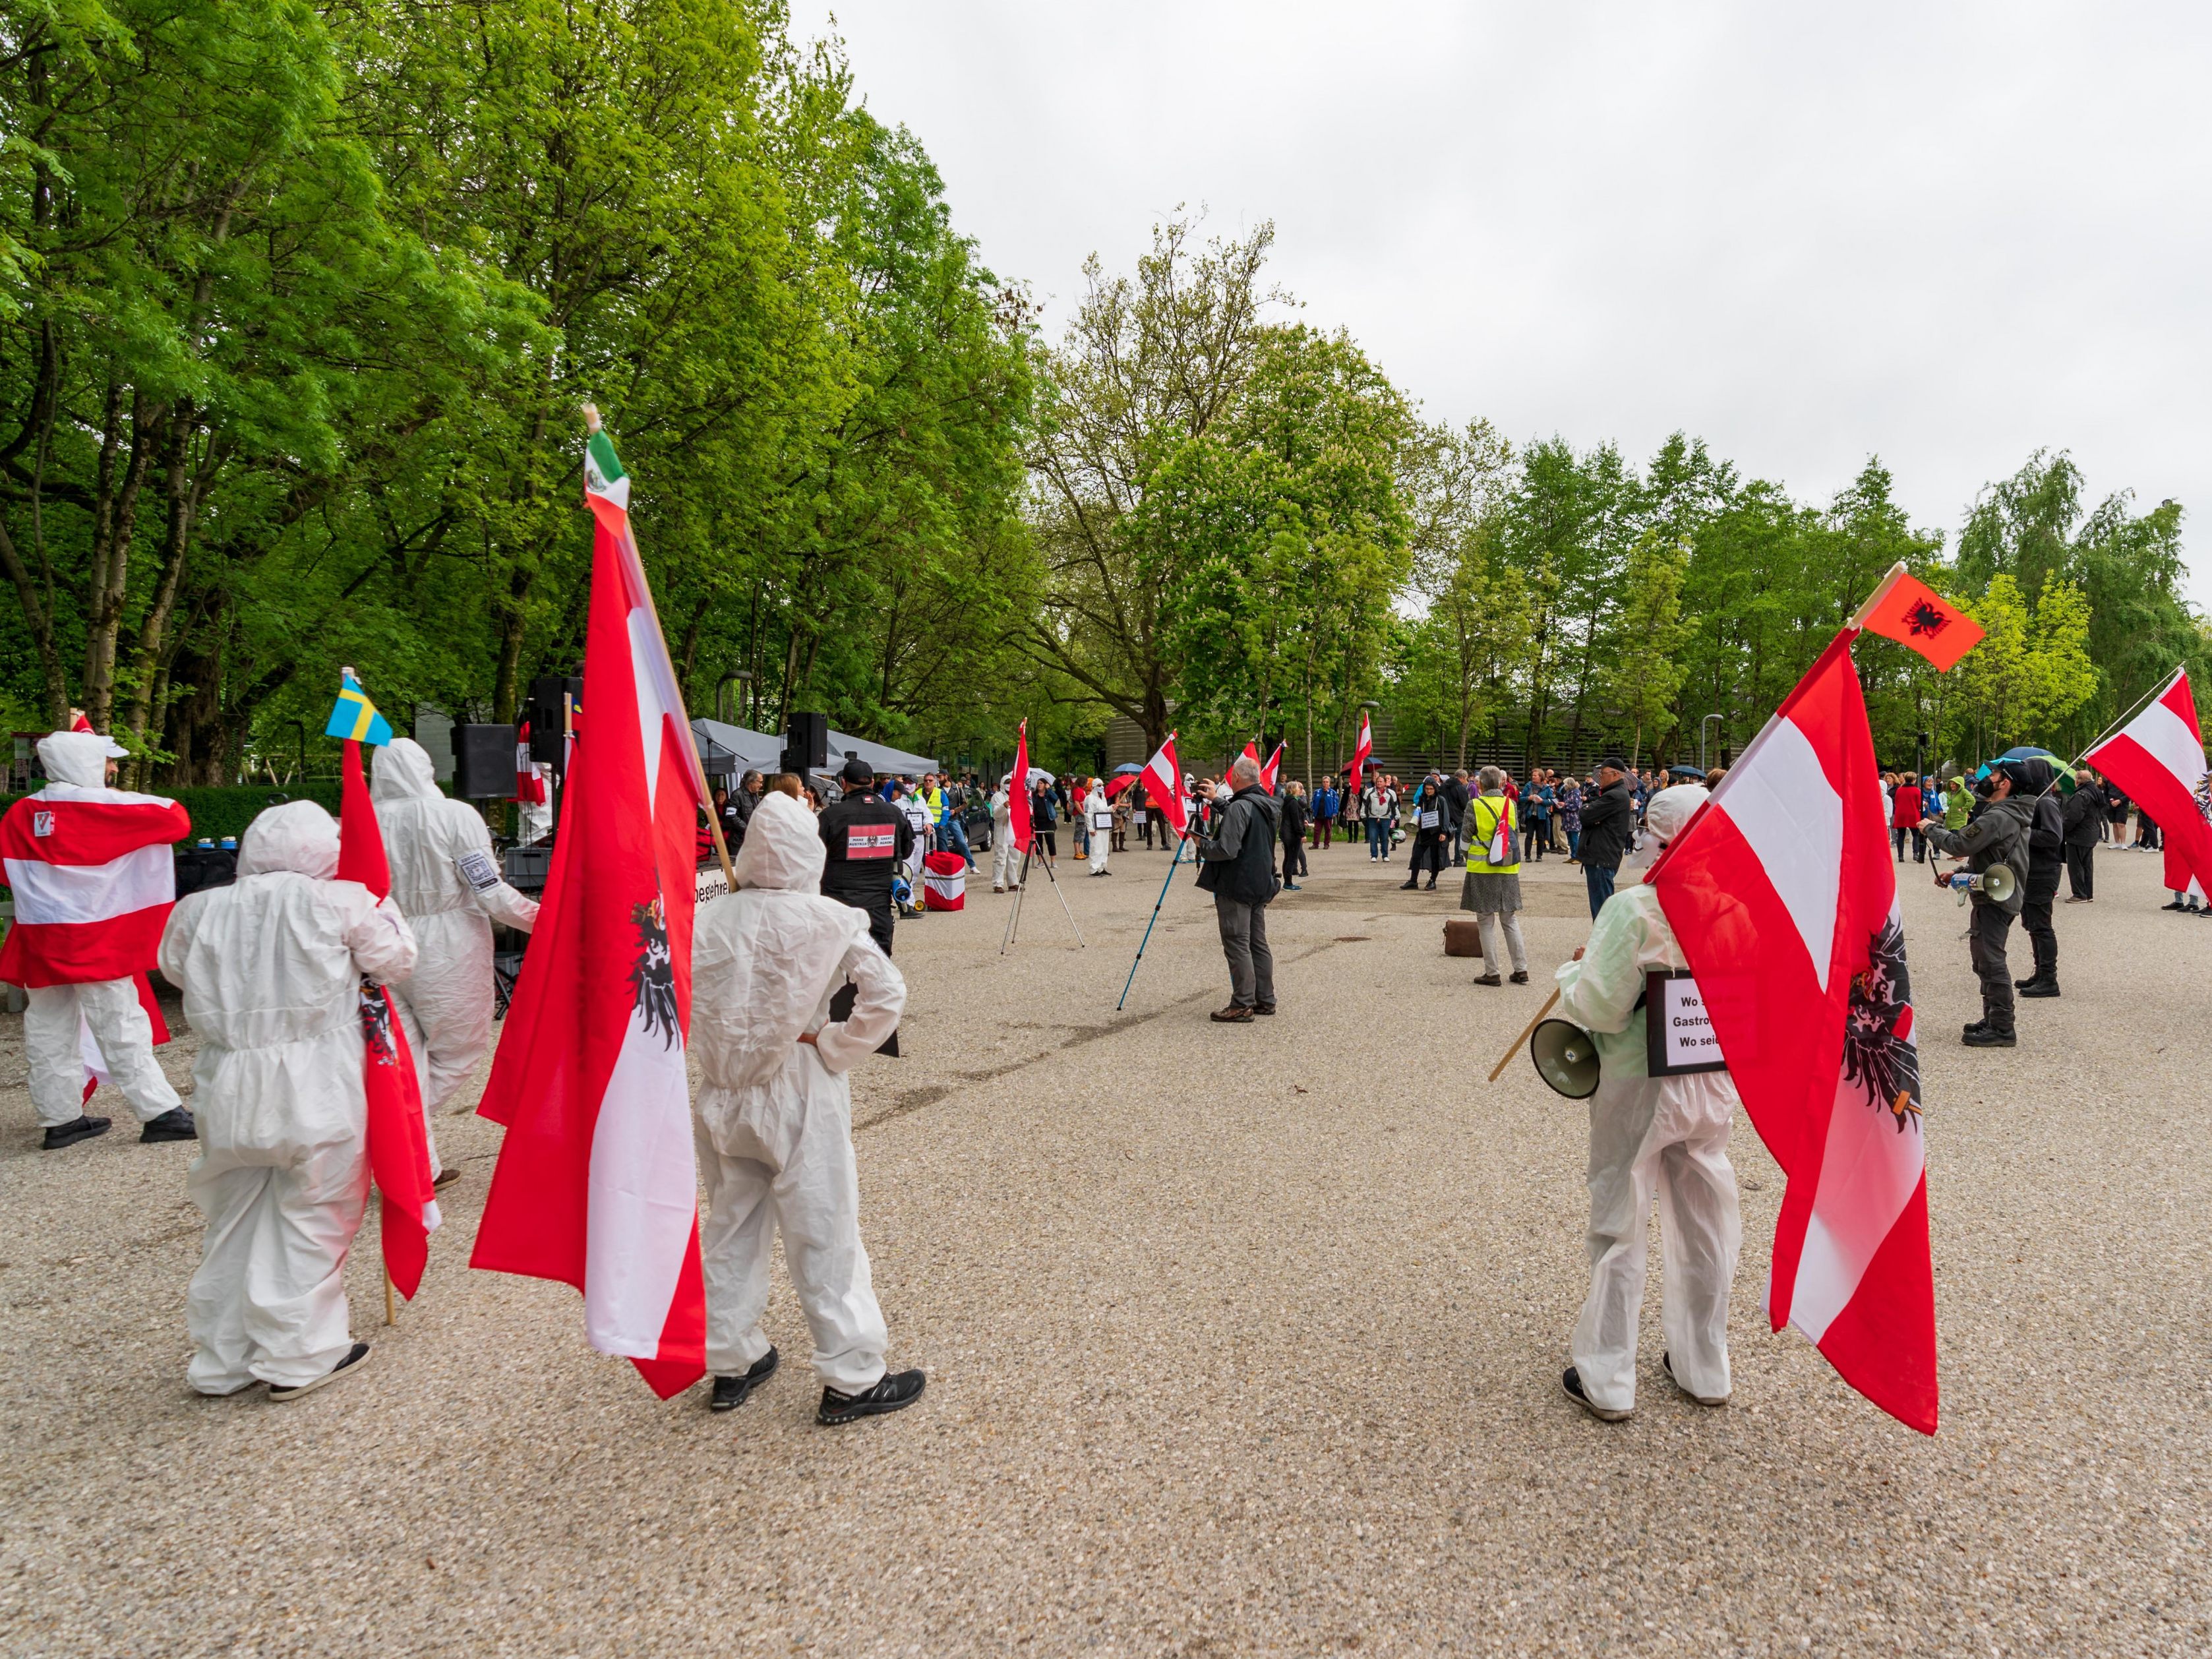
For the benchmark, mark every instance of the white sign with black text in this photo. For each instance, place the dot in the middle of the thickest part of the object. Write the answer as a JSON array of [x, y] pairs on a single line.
[[1678, 1027]]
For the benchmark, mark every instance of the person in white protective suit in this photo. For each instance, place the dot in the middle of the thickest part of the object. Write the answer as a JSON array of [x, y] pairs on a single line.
[[773, 1117], [58, 1017], [1663, 1137], [1100, 812], [271, 968], [447, 882], [1005, 857]]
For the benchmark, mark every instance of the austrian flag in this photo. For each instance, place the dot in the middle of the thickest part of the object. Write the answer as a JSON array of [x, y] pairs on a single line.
[[1784, 894]]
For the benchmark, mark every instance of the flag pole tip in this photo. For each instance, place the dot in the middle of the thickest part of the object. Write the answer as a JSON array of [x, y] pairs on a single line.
[[592, 422]]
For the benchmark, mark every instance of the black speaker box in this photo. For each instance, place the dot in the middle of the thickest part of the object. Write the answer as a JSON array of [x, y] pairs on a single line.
[[806, 740], [483, 762], [541, 709]]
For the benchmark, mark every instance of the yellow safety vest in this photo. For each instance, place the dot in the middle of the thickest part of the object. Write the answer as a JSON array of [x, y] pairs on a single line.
[[1483, 825]]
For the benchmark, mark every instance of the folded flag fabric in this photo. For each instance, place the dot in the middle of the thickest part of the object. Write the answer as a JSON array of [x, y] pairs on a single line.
[[1162, 776], [1017, 792]]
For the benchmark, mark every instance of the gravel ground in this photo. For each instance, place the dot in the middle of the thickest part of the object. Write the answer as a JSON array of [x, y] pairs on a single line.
[[1241, 1340]]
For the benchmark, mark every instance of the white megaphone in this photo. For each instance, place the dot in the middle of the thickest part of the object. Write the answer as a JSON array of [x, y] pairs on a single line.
[[1996, 884]]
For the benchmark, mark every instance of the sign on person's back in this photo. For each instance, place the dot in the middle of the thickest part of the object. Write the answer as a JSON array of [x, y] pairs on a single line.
[[1678, 1029]]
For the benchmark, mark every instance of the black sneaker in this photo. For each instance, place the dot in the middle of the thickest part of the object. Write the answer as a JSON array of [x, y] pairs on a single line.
[[346, 1367], [1986, 1037], [732, 1392], [68, 1134], [2177, 905], [894, 1391], [2038, 988], [1573, 1383], [175, 1124], [1263, 1009], [1519, 977], [1974, 1025]]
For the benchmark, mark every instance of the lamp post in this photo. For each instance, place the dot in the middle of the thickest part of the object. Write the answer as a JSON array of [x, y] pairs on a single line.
[[745, 677], [1702, 724]]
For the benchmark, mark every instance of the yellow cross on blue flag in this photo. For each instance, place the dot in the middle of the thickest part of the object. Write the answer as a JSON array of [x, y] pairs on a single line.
[[355, 716]]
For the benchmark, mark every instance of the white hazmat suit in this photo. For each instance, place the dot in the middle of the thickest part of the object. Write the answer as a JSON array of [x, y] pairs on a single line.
[[1005, 857], [56, 1017], [271, 968], [1098, 812], [446, 882], [773, 1116], [1662, 1137]]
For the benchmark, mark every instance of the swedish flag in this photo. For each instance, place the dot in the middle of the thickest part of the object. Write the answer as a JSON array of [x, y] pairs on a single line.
[[355, 716]]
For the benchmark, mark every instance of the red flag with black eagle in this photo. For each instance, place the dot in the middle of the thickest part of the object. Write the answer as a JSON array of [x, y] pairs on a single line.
[[596, 1184], [1783, 893]]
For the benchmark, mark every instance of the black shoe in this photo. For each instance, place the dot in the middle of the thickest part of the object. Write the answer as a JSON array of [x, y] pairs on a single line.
[[68, 1134], [1573, 1383], [1292, 887], [1488, 979], [1408, 887], [1974, 1025], [1431, 888], [175, 1124], [2177, 905], [345, 1367], [2037, 987], [732, 1392], [895, 1391], [1989, 1038], [1521, 978], [1263, 1008]]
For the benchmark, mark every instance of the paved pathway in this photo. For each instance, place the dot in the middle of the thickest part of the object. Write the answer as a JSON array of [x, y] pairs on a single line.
[[1242, 1341]]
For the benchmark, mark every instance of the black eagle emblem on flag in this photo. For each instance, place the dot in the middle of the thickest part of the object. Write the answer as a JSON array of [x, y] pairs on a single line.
[[1875, 1058], [1925, 621], [652, 975]]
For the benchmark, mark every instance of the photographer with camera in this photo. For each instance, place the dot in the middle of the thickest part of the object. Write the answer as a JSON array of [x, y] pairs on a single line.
[[1996, 834]]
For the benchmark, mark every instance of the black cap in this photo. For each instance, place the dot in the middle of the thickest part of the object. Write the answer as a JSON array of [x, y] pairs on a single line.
[[858, 771], [1615, 762]]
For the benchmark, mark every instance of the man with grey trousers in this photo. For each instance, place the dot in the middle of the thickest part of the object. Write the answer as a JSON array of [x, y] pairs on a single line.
[[1237, 865]]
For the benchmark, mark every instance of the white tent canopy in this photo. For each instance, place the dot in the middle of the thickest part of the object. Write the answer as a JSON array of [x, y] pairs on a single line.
[[727, 750]]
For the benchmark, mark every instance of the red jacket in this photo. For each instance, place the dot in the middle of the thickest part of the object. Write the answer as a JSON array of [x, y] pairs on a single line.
[[1906, 812]]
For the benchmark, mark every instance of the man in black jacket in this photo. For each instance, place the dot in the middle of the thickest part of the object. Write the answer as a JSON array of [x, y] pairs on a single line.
[[2083, 819], [1237, 865], [1997, 834], [2046, 860], [868, 839], [1608, 821]]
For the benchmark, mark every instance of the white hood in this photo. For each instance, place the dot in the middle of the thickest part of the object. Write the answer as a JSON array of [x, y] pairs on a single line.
[[1666, 812], [299, 836], [76, 758], [783, 850], [404, 772]]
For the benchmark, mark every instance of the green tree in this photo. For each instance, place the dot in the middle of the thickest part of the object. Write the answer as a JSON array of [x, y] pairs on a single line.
[[1644, 670]]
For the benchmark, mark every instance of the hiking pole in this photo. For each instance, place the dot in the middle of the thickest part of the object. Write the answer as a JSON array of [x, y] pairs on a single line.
[[1174, 864], [1527, 1031], [1054, 880]]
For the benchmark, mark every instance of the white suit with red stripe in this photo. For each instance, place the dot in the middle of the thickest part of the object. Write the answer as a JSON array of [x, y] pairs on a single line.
[[271, 968], [446, 883], [773, 1116], [87, 926]]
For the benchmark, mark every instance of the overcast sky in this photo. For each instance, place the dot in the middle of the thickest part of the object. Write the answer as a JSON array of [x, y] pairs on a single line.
[[1948, 235]]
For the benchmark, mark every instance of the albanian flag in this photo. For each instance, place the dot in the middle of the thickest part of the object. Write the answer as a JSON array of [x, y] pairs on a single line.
[[1906, 609], [596, 1185], [398, 1143], [1784, 896]]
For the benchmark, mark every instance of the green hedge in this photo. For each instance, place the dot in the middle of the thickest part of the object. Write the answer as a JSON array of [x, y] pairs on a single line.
[[217, 813]]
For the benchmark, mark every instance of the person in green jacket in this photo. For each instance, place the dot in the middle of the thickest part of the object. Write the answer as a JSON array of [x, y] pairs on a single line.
[[1958, 801]]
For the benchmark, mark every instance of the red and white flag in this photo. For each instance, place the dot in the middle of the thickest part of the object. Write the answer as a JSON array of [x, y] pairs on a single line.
[[1163, 780], [94, 881], [398, 1143], [1360, 753], [529, 772], [1018, 792], [1784, 894], [2158, 758], [1272, 770], [596, 1185]]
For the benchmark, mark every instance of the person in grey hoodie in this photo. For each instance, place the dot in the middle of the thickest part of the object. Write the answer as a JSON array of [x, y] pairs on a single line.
[[1237, 865], [1996, 834]]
